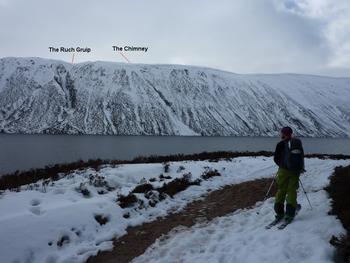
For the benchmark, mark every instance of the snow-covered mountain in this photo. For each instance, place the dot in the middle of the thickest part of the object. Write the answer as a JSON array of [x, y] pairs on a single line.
[[47, 96]]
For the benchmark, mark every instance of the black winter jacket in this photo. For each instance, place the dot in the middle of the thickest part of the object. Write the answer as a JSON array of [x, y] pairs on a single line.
[[281, 156]]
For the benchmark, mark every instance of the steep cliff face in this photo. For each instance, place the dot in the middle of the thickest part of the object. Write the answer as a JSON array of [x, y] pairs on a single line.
[[47, 96]]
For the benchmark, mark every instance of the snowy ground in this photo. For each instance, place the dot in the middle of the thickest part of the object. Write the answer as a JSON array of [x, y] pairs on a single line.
[[56, 223], [241, 236]]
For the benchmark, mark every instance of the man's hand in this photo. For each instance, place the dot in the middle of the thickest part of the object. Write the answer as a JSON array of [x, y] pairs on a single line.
[[303, 171]]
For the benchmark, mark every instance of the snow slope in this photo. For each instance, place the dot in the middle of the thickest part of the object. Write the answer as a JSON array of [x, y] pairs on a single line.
[[48, 96], [241, 236], [55, 223]]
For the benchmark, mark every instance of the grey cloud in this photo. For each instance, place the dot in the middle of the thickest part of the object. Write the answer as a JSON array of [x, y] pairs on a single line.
[[243, 36]]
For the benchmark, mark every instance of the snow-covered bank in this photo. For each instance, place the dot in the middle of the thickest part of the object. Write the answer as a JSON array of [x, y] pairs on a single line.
[[57, 223], [241, 236]]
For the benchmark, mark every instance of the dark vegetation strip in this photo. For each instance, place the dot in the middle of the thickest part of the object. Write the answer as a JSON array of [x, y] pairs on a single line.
[[167, 189], [339, 191], [19, 178], [217, 203]]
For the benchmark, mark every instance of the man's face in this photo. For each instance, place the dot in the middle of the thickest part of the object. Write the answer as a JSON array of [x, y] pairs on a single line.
[[283, 136]]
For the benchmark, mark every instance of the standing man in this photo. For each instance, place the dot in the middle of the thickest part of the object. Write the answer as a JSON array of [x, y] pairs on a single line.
[[289, 156]]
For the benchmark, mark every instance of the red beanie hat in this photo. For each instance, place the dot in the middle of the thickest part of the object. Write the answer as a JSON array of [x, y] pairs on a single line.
[[287, 131]]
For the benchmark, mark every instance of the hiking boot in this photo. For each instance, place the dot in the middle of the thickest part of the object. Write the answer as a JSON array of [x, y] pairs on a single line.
[[279, 217], [279, 209], [288, 219]]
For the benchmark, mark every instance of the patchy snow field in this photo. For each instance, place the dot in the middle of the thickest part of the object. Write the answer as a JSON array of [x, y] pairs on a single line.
[[242, 237], [72, 218]]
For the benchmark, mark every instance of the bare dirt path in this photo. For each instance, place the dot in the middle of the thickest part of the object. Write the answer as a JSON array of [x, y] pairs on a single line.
[[215, 204]]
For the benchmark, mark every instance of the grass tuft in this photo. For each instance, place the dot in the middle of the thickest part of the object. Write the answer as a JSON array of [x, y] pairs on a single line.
[[101, 219], [339, 191]]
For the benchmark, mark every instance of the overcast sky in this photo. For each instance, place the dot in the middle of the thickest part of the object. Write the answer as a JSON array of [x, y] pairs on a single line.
[[242, 36]]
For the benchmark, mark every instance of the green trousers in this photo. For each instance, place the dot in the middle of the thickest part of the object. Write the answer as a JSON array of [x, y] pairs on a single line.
[[287, 186]]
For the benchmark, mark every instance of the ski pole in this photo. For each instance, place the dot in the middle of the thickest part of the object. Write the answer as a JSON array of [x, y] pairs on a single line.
[[305, 193], [268, 191]]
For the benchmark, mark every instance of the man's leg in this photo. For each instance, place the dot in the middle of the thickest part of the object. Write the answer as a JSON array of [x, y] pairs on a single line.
[[282, 185], [293, 185]]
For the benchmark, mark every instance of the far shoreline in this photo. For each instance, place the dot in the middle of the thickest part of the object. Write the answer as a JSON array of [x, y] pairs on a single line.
[[52, 172]]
